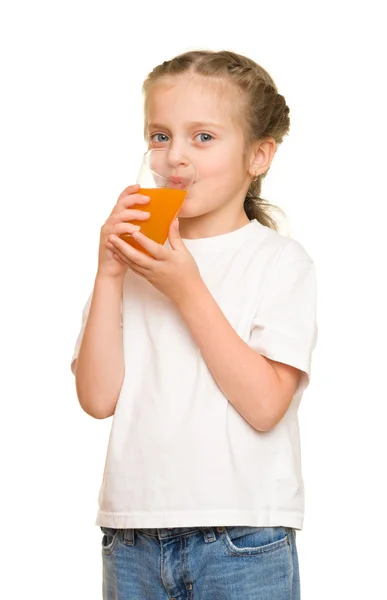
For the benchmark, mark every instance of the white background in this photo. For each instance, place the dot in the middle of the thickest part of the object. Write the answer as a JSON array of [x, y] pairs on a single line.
[[71, 140]]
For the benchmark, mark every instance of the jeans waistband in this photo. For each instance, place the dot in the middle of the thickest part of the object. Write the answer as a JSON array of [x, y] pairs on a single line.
[[165, 533]]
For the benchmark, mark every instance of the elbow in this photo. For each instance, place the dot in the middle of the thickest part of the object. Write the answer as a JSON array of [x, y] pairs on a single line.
[[95, 409], [261, 421], [269, 416], [94, 399], [264, 425], [98, 408], [275, 397], [95, 405], [96, 413]]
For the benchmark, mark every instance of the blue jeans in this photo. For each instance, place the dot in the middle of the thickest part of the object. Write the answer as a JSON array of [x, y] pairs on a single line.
[[206, 563]]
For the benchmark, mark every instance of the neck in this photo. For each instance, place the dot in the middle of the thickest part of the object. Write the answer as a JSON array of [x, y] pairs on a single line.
[[211, 224]]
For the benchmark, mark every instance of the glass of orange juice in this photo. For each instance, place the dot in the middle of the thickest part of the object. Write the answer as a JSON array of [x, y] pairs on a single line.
[[165, 177]]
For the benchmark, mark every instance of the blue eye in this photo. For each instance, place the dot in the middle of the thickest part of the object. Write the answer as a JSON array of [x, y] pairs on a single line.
[[204, 137], [159, 138]]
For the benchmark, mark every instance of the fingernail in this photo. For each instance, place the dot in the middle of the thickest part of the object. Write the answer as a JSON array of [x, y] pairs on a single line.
[[136, 228]]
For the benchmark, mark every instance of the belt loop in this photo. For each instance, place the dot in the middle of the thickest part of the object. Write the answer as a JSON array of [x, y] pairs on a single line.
[[208, 534], [129, 537]]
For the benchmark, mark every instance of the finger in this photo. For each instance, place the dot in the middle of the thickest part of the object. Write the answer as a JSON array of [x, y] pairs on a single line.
[[120, 229], [119, 259], [132, 199], [123, 260], [156, 250], [174, 236], [128, 201], [131, 189], [117, 256], [130, 215], [137, 272], [131, 254]]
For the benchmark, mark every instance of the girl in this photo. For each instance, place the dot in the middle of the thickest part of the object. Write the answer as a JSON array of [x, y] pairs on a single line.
[[201, 349]]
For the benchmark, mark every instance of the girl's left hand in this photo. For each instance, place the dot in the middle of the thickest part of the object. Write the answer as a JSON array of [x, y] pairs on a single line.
[[173, 271]]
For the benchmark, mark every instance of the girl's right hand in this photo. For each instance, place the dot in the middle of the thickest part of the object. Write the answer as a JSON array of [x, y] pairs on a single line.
[[120, 222]]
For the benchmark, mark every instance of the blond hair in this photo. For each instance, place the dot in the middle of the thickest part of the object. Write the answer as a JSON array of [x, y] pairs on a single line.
[[265, 111]]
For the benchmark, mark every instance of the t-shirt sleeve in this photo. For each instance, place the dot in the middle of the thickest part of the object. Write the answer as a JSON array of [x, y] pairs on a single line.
[[284, 328], [85, 314]]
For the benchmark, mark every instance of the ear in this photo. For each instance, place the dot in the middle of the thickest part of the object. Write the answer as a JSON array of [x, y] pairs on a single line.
[[261, 156]]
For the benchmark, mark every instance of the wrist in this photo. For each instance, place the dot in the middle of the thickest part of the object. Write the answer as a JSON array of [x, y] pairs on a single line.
[[187, 301], [105, 280]]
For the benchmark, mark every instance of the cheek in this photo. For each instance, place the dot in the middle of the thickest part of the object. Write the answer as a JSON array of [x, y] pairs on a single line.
[[224, 176], [217, 166], [217, 171]]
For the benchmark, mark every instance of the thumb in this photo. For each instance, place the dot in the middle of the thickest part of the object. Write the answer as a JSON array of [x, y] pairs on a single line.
[[174, 236]]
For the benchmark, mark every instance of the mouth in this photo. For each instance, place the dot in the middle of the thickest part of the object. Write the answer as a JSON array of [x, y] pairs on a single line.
[[178, 183]]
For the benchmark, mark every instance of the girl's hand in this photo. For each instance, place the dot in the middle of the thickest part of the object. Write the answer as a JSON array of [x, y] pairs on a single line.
[[173, 271], [109, 263]]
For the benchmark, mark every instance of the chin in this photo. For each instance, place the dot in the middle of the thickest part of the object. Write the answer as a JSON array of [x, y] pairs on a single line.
[[188, 209], [184, 213], [190, 212], [193, 208]]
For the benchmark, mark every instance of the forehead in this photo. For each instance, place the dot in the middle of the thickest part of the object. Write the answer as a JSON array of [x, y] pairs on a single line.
[[191, 98]]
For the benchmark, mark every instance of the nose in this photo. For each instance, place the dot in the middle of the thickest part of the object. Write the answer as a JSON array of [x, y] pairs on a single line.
[[177, 160]]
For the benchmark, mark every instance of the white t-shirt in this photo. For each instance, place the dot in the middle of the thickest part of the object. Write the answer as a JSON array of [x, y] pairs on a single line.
[[179, 454]]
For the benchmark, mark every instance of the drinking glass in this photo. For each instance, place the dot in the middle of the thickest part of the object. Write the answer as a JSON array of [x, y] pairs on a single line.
[[165, 177]]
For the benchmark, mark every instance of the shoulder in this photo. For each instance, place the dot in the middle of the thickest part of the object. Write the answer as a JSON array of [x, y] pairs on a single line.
[[282, 248]]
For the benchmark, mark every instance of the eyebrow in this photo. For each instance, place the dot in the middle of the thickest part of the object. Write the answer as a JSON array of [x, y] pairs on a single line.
[[194, 125]]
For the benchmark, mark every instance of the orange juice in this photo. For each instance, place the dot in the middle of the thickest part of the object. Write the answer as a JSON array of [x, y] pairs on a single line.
[[163, 207]]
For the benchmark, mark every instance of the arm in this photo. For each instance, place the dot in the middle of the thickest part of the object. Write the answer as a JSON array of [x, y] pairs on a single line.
[[259, 389], [99, 369]]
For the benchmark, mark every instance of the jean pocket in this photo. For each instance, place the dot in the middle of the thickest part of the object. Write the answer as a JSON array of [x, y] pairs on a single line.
[[249, 541], [109, 538]]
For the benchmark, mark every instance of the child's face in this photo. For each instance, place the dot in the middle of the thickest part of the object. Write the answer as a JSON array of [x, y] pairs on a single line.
[[199, 119]]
